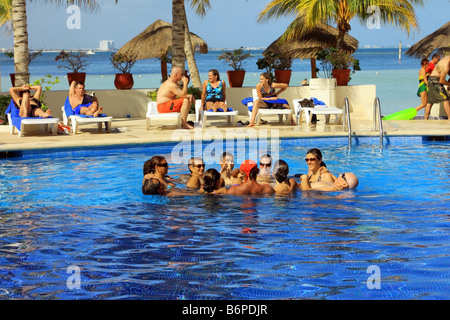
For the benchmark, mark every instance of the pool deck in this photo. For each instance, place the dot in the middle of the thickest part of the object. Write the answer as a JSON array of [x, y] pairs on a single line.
[[132, 131]]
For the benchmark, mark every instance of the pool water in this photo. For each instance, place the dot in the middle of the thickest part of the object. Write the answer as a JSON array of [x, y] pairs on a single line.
[[75, 225]]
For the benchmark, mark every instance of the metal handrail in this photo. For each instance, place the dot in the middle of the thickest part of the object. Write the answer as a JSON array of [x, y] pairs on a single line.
[[349, 125], [377, 116]]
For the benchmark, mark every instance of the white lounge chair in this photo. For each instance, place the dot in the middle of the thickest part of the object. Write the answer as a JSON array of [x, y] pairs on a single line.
[[75, 119], [324, 110], [152, 113], [279, 112], [201, 115], [13, 112]]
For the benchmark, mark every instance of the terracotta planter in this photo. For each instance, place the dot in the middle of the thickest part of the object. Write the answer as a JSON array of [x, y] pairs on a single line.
[[283, 76], [124, 81], [236, 78], [342, 76], [76, 76], [13, 78]]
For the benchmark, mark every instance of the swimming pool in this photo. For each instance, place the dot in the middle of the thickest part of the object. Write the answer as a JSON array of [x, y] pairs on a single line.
[[74, 225]]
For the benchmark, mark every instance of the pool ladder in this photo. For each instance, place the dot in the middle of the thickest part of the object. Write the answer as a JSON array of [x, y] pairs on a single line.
[[347, 121], [377, 116]]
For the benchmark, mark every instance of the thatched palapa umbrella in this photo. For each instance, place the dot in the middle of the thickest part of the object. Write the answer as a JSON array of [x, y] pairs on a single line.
[[155, 42], [309, 43], [438, 40]]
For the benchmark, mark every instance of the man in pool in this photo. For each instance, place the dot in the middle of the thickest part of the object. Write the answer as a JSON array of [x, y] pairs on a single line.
[[249, 169], [171, 98], [436, 90], [197, 169], [81, 102], [345, 181], [226, 168]]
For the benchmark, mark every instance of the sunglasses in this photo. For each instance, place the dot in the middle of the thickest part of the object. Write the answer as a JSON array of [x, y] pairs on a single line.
[[199, 165], [265, 164], [343, 177], [166, 165], [310, 159]]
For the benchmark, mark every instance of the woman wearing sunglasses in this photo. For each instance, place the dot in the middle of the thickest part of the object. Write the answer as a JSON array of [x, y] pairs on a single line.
[[157, 167], [317, 170]]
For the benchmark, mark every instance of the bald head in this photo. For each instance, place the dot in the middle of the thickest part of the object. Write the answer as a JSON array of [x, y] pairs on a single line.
[[175, 71], [351, 179]]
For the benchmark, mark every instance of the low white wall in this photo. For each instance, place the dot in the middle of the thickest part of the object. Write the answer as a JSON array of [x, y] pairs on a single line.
[[121, 103]]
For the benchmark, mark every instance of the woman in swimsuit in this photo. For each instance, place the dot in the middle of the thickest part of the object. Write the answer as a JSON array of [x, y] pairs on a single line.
[[28, 106], [284, 184], [266, 92], [422, 91], [317, 170], [214, 92], [157, 167], [213, 183]]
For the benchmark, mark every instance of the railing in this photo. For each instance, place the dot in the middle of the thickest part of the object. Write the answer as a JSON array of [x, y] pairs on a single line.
[[377, 116], [347, 121]]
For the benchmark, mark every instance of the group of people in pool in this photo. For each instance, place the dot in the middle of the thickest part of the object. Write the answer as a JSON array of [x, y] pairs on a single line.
[[248, 179]]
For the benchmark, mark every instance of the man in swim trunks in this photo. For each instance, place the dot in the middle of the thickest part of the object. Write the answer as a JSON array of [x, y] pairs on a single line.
[[436, 90], [171, 98], [82, 103], [345, 180]]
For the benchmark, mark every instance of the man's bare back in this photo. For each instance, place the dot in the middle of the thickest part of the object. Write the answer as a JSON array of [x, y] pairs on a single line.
[[442, 69]]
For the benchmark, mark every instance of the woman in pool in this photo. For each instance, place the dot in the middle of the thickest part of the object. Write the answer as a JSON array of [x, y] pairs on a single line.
[[266, 94], [157, 167], [283, 183], [214, 92], [29, 106], [317, 170], [213, 183]]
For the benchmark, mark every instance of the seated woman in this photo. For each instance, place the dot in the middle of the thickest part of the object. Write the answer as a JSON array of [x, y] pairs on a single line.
[[213, 183], [284, 184], [214, 92], [28, 106], [267, 96], [317, 170]]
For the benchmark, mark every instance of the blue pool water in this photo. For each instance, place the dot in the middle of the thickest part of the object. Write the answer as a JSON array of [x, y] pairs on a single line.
[[83, 210]]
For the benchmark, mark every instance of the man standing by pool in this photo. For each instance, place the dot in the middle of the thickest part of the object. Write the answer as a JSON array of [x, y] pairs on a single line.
[[436, 90], [171, 98]]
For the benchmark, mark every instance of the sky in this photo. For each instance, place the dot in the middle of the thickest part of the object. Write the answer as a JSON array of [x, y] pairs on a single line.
[[227, 24]]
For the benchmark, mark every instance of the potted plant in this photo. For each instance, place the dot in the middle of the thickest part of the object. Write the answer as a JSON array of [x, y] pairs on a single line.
[[278, 64], [45, 82], [235, 60], [123, 63], [76, 61], [337, 63], [32, 55]]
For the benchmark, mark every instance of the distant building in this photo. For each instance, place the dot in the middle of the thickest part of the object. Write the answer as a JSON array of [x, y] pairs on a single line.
[[106, 45]]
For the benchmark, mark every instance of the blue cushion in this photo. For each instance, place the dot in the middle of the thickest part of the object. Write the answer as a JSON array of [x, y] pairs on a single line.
[[15, 118]]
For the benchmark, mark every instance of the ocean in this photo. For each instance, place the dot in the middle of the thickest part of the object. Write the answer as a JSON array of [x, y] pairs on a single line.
[[396, 80]]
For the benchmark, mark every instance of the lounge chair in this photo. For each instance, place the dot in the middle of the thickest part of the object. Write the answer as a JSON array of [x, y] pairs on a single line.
[[75, 120], [279, 112], [201, 115], [318, 109], [152, 113], [15, 121]]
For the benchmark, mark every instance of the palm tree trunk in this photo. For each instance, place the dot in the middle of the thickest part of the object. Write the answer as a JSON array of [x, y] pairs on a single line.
[[190, 55], [178, 54], [21, 56]]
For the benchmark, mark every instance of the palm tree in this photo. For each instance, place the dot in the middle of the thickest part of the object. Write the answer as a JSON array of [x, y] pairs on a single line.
[[309, 13], [19, 19]]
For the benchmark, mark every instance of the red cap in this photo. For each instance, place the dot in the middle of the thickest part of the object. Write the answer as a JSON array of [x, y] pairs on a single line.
[[247, 166]]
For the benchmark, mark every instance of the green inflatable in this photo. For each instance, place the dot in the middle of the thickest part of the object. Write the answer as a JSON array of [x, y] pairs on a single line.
[[406, 114]]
